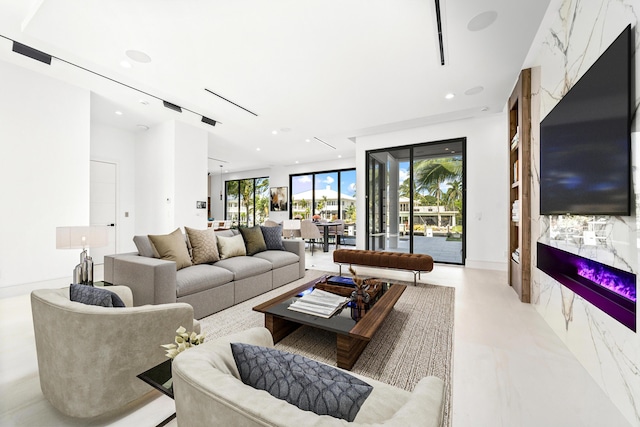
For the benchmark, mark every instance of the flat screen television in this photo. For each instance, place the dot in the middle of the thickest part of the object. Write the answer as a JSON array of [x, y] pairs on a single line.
[[585, 140]]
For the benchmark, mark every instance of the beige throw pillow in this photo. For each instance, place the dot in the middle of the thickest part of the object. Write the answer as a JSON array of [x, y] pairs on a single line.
[[172, 247], [204, 248], [231, 246]]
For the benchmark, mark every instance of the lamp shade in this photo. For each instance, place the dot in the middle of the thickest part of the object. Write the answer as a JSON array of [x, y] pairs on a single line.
[[81, 237], [291, 224]]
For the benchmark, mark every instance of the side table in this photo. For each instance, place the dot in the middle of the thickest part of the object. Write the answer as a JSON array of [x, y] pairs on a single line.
[[159, 377]]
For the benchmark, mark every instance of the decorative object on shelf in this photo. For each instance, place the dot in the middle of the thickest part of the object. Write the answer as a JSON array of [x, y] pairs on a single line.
[[359, 297], [82, 237], [182, 342], [279, 200]]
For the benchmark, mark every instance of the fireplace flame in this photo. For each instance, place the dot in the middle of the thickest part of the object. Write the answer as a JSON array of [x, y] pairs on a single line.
[[607, 279]]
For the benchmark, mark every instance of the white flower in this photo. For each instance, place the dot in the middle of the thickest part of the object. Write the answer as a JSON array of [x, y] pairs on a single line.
[[183, 341]]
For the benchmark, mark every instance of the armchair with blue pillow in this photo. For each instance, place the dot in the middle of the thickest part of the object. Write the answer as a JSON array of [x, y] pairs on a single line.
[[89, 354]]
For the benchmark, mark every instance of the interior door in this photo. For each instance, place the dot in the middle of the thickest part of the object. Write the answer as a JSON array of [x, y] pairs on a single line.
[[103, 206]]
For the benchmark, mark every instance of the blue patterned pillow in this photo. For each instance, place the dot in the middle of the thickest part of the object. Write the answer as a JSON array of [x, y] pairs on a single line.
[[273, 237], [94, 296], [305, 383]]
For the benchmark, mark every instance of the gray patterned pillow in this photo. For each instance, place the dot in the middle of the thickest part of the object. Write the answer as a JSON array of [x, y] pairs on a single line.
[[305, 383], [273, 237], [203, 244], [94, 296]]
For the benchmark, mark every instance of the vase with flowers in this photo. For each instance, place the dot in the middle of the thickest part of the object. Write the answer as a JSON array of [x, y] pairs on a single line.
[[183, 341]]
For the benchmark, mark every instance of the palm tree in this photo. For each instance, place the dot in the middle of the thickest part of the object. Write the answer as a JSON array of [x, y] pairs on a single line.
[[432, 173], [454, 193]]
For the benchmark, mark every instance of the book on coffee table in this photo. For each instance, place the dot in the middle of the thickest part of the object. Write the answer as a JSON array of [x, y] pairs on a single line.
[[319, 303], [341, 280]]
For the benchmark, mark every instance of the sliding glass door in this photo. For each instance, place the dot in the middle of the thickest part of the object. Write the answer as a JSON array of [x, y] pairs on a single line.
[[415, 200]]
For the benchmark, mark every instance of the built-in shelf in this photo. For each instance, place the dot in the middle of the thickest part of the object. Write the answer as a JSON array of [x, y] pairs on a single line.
[[520, 185]]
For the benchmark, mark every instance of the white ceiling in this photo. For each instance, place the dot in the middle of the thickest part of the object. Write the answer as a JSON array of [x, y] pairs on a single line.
[[334, 70]]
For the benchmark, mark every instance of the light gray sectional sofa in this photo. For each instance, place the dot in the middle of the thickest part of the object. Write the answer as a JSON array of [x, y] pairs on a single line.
[[209, 287]]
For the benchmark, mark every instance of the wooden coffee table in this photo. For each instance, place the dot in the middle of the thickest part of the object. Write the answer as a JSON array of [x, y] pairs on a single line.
[[351, 337]]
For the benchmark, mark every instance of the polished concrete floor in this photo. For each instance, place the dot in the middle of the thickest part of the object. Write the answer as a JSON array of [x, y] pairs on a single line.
[[510, 369]]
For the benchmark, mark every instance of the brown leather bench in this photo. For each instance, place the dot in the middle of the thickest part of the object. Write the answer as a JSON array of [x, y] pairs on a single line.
[[396, 260]]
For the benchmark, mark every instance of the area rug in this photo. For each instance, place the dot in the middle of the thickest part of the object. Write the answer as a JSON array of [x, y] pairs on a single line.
[[416, 339]]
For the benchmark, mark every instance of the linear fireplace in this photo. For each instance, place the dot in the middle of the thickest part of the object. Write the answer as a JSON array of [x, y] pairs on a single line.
[[608, 288]]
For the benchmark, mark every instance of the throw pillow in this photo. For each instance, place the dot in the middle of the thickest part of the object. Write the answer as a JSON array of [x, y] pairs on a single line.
[[253, 240], [305, 383], [172, 247], [204, 248], [228, 247], [145, 247], [94, 296], [273, 237]]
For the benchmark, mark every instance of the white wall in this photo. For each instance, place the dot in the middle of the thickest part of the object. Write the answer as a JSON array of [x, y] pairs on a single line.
[[154, 178], [171, 175], [191, 152], [487, 189], [44, 173], [109, 144]]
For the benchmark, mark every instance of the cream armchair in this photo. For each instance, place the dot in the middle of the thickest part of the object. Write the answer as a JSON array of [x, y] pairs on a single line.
[[89, 356]]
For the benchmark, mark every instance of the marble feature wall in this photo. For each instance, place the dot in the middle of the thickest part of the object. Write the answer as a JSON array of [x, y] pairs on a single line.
[[609, 351]]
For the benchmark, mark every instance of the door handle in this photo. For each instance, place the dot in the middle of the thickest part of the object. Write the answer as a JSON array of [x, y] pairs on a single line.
[[111, 225]]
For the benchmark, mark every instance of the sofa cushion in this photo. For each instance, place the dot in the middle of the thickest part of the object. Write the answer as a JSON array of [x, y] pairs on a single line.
[[230, 247], [199, 278], [305, 383], [227, 233], [94, 296], [278, 258], [273, 237], [245, 266], [253, 240], [144, 246], [204, 246], [172, 247]]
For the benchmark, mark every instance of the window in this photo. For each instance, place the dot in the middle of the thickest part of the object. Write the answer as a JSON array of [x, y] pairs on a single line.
[[247, 201], [324, 195]]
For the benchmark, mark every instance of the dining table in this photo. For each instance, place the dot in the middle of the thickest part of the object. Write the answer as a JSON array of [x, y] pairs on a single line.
[[325, 233]]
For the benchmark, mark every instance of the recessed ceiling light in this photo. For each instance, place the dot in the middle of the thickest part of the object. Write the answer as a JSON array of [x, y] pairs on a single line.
[[446, 148], [118, 113], [450, 95], [142, 127], [258, 149], [226, 171], [138, 56], [474, 90], [339, 156], [297, 162], [275, 132], [125, 64], [482, 21], [144, 102], [453, 152], [307, 140], [485, 108]]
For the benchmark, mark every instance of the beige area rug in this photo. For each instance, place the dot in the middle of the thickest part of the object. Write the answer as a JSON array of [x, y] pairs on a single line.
[[416, 339]]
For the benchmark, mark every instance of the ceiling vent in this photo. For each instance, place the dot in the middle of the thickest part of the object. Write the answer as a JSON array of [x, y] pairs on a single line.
[[440, 32]]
